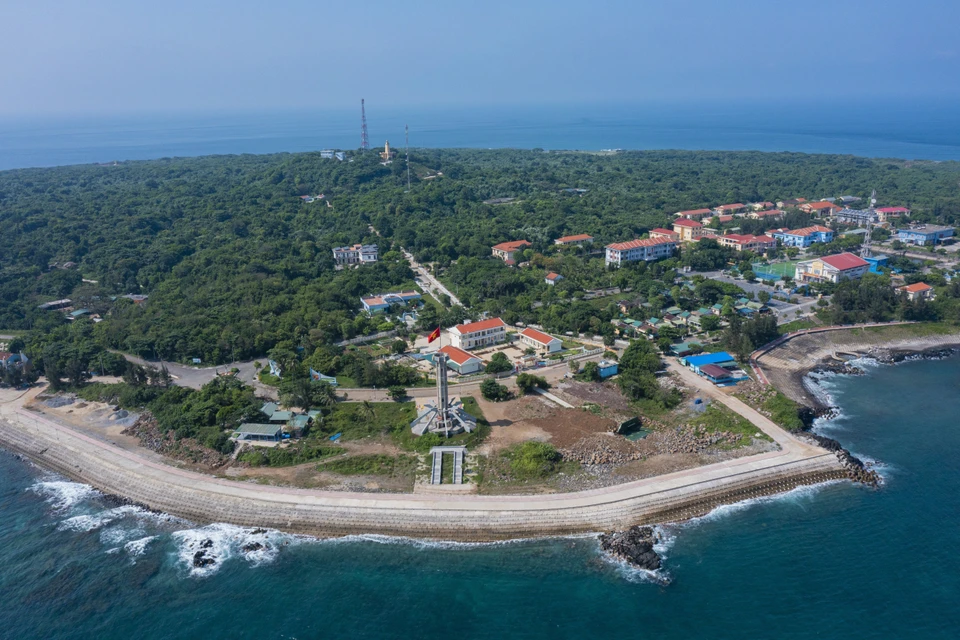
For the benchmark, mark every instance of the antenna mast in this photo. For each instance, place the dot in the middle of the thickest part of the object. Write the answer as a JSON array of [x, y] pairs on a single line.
[[406, 133], [364, 138], [865, 247]]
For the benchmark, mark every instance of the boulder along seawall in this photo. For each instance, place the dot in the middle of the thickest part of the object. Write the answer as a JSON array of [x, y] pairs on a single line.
[[206, 499]]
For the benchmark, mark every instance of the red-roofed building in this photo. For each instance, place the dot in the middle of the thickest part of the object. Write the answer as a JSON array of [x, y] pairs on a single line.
[[760, 206], [917, 291], [664, 234], [730, 208], [461, 361], [886, 213], [540, 341], [505, 250], [842, 266], [757, 244], [820, 208], [688, 230], [634, 250], [553, 278], [579, 240], [768, 213], [723, 219], [694, 214], [478, 334]]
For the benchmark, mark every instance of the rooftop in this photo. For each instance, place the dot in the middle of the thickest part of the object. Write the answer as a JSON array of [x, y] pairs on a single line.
[[513, 245], [255, 429], [694, 212], [806, 231], [459, 356], [538, 336], [580, 237], [553, 276], [471, 327], [685, 222], [636, 244], [844, 261], [916, 287]]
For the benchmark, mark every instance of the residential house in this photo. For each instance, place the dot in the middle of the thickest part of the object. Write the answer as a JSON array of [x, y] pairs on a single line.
[[634, 250], [357, 254], [478, 334], [924, 234], [461, 361], [805, 237], [251, 432], [760, 206], [820, 209], [540, 341], [506, 250], [917, 291], [757, 244], [885, 214], [382, 301], [552, 278], [694, 214], [793, 202], [841, 266], [688, 230], [730, 209], [578, 240], [664, 234]]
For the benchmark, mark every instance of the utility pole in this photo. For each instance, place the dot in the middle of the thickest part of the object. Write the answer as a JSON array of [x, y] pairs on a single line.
[[406, 133]]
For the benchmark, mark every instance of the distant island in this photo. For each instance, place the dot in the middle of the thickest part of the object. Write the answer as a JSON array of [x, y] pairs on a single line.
[[610, 328]]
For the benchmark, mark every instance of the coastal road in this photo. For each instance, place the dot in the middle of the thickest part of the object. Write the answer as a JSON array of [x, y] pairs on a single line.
[[203, 498]]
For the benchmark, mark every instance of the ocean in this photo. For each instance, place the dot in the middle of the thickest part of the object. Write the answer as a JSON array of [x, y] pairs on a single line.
[[833, 561], [862, 126]]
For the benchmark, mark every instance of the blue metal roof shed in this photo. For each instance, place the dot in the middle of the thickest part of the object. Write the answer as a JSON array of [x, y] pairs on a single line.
[[695, 362]]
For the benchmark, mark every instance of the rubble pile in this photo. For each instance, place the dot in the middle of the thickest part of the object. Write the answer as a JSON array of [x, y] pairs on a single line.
[[152, 437]]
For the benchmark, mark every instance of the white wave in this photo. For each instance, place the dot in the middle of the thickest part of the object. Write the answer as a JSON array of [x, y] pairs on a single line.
[[220, 542], [62, 495], [95, 521], [137, 548], [423, 543], [797, 495], [111, 536]]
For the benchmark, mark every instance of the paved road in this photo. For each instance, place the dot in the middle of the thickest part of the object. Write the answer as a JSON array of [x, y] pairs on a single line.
[[786, 312], [196, 377], [430, 283]]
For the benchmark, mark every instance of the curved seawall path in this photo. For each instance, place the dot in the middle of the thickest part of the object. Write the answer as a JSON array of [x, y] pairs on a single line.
[[205, 499]]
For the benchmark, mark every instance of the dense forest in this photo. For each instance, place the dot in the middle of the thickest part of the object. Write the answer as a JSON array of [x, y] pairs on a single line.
[[235, 264]]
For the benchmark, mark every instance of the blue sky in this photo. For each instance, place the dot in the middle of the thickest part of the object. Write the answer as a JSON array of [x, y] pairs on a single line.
[[118, 56]]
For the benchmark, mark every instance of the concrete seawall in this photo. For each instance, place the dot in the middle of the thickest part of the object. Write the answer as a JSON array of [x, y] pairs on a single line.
[[205, 499]]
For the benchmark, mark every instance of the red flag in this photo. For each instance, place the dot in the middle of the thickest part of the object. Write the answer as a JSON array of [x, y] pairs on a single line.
[[433, 335]]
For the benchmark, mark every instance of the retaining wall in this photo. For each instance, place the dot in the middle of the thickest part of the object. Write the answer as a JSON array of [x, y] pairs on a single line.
[[205, 499]]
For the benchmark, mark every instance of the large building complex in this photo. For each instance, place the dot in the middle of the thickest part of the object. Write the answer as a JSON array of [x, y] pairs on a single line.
[[355, 255], [635, 250], [478, 334], [924, 234], [805, 237], [842, 266]]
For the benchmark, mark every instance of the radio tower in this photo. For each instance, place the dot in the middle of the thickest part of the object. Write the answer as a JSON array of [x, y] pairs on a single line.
[[406, 133], [364, 138], [865, 247]]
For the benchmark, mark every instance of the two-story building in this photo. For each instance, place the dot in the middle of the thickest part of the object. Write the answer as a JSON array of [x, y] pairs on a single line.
[[757, 244], [924, 234], [856, 216], [694, 214], [886, 214], [664, 234], [805, 237], [841, 266], [766, 214], [539, 341], [688, 230], [730, 209], [382, 301], [820, 209], [506, 250], [472, 335], [647, 250], [358, 254]]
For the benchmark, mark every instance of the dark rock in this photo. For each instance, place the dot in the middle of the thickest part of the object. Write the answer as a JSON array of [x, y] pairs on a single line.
[[258, 532], [201, 559], [252, 546], [206, 544], [635, 546]]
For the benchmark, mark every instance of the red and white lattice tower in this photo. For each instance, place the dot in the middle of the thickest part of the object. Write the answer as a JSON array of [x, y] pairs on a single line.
[[364, 138]]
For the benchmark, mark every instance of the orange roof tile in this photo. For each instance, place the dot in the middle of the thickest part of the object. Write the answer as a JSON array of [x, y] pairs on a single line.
[[459, 356], [538, 336], [482, 325]]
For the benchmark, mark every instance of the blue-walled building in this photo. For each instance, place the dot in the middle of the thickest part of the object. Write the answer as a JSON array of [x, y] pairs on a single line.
[[924, 234]]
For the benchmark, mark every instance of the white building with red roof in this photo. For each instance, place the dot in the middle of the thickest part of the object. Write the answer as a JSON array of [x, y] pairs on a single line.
[[694, 214], [731, 208], [747, 242], [540, 341], [579, 239], [917, 291], [820, 208], [888, 213], [506, 250], [478, 334], [688, 230], [553, 278], [760, 206], [634, 250], [461, 361], [842, 266]]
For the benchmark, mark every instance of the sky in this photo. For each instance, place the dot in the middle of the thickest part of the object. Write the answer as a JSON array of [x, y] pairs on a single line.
[[117, 56]]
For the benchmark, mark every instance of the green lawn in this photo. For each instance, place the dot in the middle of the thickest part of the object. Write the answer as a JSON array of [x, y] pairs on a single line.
[[797, 325], [717, 417], [356, 420]]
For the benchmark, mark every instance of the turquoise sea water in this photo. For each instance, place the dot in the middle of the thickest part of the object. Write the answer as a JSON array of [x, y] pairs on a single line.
[[838, 561], [864, 127]]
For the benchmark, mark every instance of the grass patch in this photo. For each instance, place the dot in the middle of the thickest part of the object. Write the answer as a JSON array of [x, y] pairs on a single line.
[[268, 379], [717, 417], [288, 456], [527, 463], [372, 465], [798, 325], [356, 420], [918, 329], [446, 468]]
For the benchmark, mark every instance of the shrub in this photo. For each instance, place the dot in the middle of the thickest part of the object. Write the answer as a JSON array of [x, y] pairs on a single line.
[[492, 390], [530, 460], [527, 382]]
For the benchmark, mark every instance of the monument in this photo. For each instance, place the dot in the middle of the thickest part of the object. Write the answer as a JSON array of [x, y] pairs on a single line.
[[443, 416]]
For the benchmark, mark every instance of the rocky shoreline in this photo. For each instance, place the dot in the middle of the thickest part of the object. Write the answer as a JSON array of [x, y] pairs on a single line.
[[633, 546]]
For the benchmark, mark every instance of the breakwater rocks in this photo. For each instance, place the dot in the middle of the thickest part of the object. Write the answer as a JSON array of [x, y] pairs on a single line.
[[893, 356], [633, 546], [856, 470]]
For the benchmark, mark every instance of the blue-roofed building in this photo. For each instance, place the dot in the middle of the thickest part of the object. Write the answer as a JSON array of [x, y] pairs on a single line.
[[876, 262], [720, 359], [924, 234], [607, 368]]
